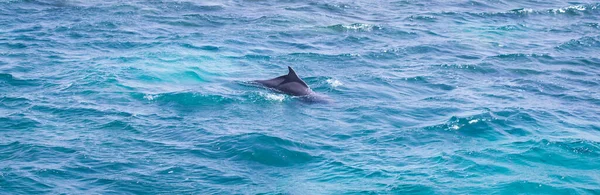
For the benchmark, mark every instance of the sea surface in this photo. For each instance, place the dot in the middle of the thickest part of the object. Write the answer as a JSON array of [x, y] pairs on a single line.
[[427, 97]]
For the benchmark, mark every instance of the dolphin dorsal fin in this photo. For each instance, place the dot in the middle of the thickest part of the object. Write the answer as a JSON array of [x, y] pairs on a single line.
[[293, 77]]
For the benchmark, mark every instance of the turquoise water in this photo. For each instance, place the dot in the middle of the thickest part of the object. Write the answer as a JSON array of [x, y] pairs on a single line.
[[433, 97]]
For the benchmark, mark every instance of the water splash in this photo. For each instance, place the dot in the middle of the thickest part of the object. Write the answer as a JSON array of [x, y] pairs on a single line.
[[273, 97], [334, 83]]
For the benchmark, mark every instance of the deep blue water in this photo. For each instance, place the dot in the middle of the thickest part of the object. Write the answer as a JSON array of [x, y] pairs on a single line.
[[429, 97]]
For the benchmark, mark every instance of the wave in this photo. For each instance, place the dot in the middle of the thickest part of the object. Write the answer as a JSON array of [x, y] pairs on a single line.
[[204, 47], [17, 122], [118, 125], [572, 10], [258, 148], [490, 125], [521, 57], [569, 10], [185, 98], [356, 27], [423, 18], [6, 78], [76, 112], [198, 99], [583, 43], [14, 102], [11, 46], [332, 7], [405, 51], [569, 158], [184, 6]]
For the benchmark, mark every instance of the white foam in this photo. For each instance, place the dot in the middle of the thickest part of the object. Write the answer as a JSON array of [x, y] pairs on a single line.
[[577, 7], [455, 127], [359, 27], [150, 97], [473, 121], [334, 82], [273, 97], [572, 7], [526, 10]]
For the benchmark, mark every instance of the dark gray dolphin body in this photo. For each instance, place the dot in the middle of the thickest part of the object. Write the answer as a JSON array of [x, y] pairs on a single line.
[[289, 84]]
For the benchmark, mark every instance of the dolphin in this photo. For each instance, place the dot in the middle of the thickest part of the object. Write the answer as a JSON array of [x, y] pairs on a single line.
[[289, 84], [293, 85]]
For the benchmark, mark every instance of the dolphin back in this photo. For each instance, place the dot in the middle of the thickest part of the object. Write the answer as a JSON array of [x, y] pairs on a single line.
[[290, 84], [272, 83]]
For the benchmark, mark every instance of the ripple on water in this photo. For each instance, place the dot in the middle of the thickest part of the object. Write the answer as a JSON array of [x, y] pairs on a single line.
[[356, 27], [260, 149], [185, 99], [490, 125], [118, 125], [334, 83], [9, 79], [332, 7], [565, 153], [446, 97], [573, 10], [583, 43], [75, 112], [16, 122]]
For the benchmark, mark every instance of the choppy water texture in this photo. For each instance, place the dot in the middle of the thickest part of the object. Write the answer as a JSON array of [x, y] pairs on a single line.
[[430, 97]]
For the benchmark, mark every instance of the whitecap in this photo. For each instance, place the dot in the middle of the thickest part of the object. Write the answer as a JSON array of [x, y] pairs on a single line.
[[572, 7], [273, 97], [334, 82], [359, 27], [150, 97], [454, 127], [525, 11]]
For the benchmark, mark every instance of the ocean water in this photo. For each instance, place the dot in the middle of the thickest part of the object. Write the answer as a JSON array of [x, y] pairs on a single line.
[[429, 97]]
